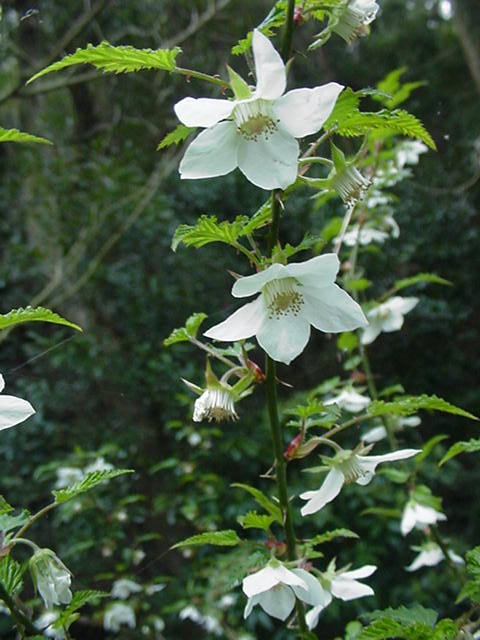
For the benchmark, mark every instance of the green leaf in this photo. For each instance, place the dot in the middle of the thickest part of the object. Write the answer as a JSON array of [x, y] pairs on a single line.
[[226, 538], [186, 333], [8, 523], [397, 91], [429, 446], [121, 59], [10, 574], [394, 475], [471, 446], [240, 88], [419, 278], [4, 506], [33, 314], [347, 341], [14, 135], [254, 520], [262, 500], [179, 134], [208, 230], [79, 599], [328, 536], [91, 480], [413, 623], [407, 405], [406, 615], [471, 588]]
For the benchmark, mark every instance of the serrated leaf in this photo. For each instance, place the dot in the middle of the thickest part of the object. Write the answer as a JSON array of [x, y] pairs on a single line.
[[208, 230], [407, 405], [418, 279], [254, 520], [91, 480], [10, 574], [429, 446], [14, 135], [4, 506], [471, 446], [179, 134], [412, 623], [328, 536], [396, 91], [226, 538], [80, 598], [406, 615], [186, 333], [471, 589], [9, 523], [262, 500], [111, 59], [33, 314]]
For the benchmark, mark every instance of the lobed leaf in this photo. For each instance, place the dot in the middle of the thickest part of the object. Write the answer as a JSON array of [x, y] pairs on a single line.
[[407, 405], [91, 480], [111, 59], [254, 520], [208, 230], [14, 135], [179, 134], [328, 536], [226, 538], [33, 314], [471, 446]]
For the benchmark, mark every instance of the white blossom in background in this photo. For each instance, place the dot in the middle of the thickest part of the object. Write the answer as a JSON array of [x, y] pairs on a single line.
[[420, 516], [13, 410], [124, 588], [354, 21], [341, 584], [431, 555], [100, 464], [365, 234], [256, 131], [348, 466], [375, 434], [117, 615], [67, 476], [387, 317], [292, 298], [208, 622], [350, 400], [51, 578], [409, 151], [275, 588], [44, 623]]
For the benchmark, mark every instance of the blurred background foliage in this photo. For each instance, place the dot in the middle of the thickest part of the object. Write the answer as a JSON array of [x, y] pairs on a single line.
[[87, 226]]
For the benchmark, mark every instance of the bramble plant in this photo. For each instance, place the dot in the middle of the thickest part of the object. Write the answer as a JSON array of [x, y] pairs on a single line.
[[321, 142]]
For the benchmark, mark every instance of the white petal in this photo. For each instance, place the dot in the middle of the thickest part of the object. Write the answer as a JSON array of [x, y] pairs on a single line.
[[362, 572], [269, 162], [2, 383], [369, 463], [329, 490], [371, 332], [347, 589], [244, 323], [332, 310], [251, 602], [312, 616], [212, 153], [269, 68], [278, 602], [314, 594], [375, 434], [408, 520], [252, 284], [427, 558], [392, 322], [203, 112], [402, 305], [284, 338], [303, 111], [317, 272], [292, 578], [260, 581], [13, 410]]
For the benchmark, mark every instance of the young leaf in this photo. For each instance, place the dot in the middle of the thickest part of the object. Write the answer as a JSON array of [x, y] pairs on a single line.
[[328, 536], [179, 134], [9, 523], [91, 480], [79, 599], [10, 574], [226, 538], [33, 314], [254, 520], [407, 405], [207, 230], [121, 59], [262, 500], [4, 506], [471, 446], [14, 135], [419, 278], [186, 333]]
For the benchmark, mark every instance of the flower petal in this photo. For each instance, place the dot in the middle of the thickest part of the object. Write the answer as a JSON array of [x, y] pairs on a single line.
[[312, 616], [249, 285], [317, 272], [332, 310], [260, 581], [270, 162], [13, 411], [314, 594], [408, 520], [269, 68], [203, 112], [212, 153], [371, 332], [329, 490], [2, 383], [362, 572], [303, 111], [347, 589], [278, 603], [243, 323], [251, 602], [285, 337]]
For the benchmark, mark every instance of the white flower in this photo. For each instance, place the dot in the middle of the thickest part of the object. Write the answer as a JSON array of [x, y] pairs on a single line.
[[409, 151], [51, 578], [348, 466], [419, 516], [119, 614], [375, 434], [358, 14], [44, 623], [67, 476], [275, 587], [13, 410], [293, 297], [100, 464], [387, 317], [217, 404], [364, 236], [350, 400], [255, 132], [343, 585], [124, 587], [191, 613], [431, 555]]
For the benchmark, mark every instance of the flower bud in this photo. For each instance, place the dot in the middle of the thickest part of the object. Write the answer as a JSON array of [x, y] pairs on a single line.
[[51, 578]]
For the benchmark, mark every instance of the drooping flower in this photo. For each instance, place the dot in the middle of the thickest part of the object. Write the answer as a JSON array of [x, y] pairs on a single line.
[[51, 578], [292, 298], [350, 400], [431, 555], [13, 410], [348, 466], [123, 588], [256, 131], [341, 584], [119, 614], [387, 317], [356, 17], [419, 516], [275, 587]]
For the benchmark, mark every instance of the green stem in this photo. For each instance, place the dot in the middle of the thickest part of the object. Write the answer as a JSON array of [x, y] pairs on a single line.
[[444, 547], [288, 31], [35, 517], [20, 619], [190, 73]]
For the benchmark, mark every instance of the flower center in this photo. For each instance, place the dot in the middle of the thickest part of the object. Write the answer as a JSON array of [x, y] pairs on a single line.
[[282, 298], [350, 185], [254, 119], [351, 469], [215, 404]]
